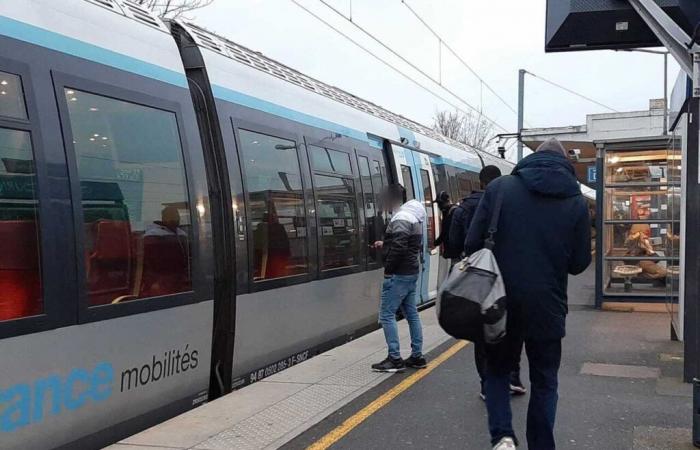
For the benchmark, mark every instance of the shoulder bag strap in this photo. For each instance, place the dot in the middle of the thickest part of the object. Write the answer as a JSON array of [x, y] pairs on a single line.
[[490, 243]]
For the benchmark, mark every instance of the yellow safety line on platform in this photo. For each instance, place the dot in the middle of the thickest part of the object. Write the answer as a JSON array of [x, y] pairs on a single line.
[[339, 432]]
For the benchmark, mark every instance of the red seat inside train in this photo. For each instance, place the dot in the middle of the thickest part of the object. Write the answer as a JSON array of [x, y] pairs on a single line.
[[20, 274], [165, 265], [109, 261]]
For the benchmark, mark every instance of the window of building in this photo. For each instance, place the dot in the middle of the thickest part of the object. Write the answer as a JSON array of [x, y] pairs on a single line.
[[276, 212], [20, 274], [134, 197], [428, 202], [408, 182], [641, 222], [11, 97]]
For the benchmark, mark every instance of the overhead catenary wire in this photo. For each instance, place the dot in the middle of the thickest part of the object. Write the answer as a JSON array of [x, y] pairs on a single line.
[[402, 58], [380, 59], [442, 43], [571, 91]]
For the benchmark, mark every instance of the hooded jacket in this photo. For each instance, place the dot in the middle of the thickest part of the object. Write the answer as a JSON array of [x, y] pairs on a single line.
[[403, 241], [543, 236], [462, 218]]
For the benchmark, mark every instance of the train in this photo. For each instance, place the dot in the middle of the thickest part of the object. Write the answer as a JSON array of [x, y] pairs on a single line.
[[181, 216]]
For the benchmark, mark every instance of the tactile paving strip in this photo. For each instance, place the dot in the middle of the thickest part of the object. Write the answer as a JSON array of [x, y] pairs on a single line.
[[358, 374], [264, 428]]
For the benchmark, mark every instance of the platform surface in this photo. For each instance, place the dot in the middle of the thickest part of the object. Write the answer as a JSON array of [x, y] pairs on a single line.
[[620, 388]]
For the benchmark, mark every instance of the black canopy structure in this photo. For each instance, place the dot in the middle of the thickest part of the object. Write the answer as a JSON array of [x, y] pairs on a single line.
[[609, 24]]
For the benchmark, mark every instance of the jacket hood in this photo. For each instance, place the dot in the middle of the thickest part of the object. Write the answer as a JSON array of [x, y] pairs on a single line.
[[474, 197], [549, 173], [415, 209]]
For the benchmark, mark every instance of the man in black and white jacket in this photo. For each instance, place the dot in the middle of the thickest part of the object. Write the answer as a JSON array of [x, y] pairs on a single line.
[[403, 248]]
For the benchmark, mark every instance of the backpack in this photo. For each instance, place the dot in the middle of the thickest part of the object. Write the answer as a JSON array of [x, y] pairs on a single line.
[[471, 303], [449, 250]]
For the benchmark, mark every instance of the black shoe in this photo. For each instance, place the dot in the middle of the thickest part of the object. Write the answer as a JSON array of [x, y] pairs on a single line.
[[516, 386], [416, 362], [389, 365]]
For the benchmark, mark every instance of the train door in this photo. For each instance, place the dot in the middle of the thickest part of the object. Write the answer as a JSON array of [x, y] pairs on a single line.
[[414, 172]]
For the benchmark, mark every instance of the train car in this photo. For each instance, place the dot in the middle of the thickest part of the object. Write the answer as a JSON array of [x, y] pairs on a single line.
[[181, 216], [306, 163]]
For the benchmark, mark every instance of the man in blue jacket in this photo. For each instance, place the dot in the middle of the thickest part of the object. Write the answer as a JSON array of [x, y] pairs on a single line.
[[543, 236]]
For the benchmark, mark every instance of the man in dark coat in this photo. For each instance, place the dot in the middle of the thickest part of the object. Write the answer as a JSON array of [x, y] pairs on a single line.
[[462, 216], [451, 250], [543, 236], [461, 220]]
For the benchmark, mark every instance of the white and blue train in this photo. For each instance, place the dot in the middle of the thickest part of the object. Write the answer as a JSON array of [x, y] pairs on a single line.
[[181, 216]]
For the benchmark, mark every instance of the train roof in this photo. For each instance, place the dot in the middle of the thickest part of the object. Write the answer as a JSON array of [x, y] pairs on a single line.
[[125, 35], [231, 67], [117, 33]]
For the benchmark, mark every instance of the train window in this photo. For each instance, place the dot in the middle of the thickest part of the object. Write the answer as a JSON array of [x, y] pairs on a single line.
[[464, 184], [408, 182], [20, 275], [134, 198], [370, 202], [379, 183], [12, 97], [337, 216], [428, 202], [276, 212], [327, 160]]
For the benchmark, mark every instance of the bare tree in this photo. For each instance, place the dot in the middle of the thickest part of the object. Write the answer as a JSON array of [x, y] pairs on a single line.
[[172, 9], [471, 128]]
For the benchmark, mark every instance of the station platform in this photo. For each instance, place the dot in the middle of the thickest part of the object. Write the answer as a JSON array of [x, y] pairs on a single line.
[[620, 388]]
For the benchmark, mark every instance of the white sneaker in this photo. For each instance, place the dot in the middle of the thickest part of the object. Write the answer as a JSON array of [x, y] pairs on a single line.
[[505, 444]]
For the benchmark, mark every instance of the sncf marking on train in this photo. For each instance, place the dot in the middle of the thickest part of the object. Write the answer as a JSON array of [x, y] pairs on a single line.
[[278, 366], [24, 403], [172, 363]]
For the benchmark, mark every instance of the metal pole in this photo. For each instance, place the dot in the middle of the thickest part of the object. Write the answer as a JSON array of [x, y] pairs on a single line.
[[696, 75], [521, 110], [440, 61], [665, 94]]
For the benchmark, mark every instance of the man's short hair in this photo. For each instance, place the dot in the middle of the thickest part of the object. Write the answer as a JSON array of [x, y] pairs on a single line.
[[488, 174], [396, 193]]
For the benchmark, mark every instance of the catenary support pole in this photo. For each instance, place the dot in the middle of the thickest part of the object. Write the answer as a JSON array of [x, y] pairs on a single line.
[[665, 94], [521, 110]]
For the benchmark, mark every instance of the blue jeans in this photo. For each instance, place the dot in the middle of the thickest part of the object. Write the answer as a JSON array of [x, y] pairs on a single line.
[[399, 291], [544, 358]]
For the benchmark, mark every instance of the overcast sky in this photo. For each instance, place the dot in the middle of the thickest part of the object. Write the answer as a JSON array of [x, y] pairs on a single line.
[[495, 37]]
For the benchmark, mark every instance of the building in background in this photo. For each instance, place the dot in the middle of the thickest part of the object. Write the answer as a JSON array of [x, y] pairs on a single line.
[[635, 167]]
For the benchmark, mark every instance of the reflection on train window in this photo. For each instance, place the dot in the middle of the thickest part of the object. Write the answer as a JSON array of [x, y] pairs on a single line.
[[276, 210], [370, 204], [337, 216], [20, 275], [379, 183], [11, 97], [327, 160], [428, 202], [465, 184], [408, 182], [135, 204]]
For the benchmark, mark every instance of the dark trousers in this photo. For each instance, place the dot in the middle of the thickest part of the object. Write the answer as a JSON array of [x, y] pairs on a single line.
[[544, 358], [480, 360]]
